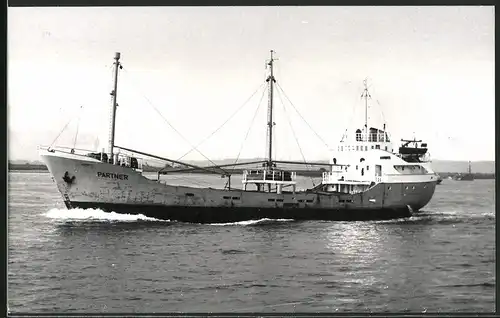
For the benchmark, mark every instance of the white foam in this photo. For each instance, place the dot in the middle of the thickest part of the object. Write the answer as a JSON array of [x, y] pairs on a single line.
[[253, 222], [95, 215]]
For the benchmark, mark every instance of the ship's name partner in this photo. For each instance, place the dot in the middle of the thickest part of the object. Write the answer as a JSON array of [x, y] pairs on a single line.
[[112, 175]]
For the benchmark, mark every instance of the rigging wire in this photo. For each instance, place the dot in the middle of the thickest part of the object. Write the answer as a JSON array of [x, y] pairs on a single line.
[[281, 89], [275, 151], [249, 128], [227, 120], [382, 112], [60, 133], [77, 127], [294, 135], [173, 128], [351, 119]]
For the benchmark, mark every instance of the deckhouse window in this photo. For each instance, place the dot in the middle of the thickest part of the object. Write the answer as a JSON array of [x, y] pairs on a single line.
[[366, 148], [358, 135], [377, 146]]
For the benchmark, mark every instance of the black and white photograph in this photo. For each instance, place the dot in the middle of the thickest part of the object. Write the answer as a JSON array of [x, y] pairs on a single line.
[[251, 159]]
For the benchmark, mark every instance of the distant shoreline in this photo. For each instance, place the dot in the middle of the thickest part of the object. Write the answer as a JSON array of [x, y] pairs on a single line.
[[305, 173]]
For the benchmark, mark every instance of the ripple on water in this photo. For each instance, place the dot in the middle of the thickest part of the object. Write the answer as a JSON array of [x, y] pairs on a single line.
[[442, 259]]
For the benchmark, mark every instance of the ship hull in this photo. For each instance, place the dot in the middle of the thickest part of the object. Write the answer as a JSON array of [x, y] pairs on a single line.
[[87, 183], [467, 177], [193, 214]]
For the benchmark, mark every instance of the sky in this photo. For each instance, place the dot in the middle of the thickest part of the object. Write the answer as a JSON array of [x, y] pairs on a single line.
[[430, 72]]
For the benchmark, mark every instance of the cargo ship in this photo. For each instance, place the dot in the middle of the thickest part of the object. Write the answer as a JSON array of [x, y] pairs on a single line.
[[364, 180], [467, 176]]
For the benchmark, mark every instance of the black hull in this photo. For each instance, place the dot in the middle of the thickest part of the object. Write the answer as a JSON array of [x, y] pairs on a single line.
[[467, 177], [227, 215]]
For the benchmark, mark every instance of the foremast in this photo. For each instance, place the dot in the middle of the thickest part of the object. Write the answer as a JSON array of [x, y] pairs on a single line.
[[114, 105]]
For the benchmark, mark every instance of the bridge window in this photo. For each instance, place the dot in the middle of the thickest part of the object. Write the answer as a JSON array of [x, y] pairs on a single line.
[[410, 169]]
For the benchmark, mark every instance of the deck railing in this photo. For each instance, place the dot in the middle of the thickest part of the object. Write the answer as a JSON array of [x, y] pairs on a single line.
[[122, 159], [264, 175]]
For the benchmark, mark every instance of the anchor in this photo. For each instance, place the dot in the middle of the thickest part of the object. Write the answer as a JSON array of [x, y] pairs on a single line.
[[67, 178]]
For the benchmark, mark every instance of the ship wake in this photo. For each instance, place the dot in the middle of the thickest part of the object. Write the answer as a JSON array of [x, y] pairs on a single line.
[[444, 218], [264, 221], [96, 215]]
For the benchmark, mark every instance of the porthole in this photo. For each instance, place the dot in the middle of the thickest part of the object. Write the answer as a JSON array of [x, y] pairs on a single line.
[[389, 188], [406, 187]]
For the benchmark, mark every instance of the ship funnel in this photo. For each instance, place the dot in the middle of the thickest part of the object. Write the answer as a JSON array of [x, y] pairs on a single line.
[[117, 55]]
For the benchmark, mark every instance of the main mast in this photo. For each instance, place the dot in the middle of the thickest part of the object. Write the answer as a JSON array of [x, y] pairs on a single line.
[[113, 107], [270, 123]]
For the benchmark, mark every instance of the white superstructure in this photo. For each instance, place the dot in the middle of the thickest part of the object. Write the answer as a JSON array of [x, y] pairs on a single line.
[[365, 157]]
